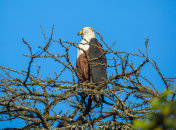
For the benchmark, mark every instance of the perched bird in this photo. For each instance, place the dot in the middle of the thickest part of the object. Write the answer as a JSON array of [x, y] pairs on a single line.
[[91, 50]]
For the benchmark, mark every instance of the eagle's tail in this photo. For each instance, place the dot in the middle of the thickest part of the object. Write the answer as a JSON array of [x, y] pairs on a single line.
[[98, 100]]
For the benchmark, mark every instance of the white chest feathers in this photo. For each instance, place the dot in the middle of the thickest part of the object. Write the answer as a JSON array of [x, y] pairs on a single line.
[[84, 45], [87, 35]]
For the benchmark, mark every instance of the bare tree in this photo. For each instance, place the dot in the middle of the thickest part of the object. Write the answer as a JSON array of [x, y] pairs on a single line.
[[45, 101]]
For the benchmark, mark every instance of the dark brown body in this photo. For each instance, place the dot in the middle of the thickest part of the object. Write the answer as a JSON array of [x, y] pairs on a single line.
[[96, 70]]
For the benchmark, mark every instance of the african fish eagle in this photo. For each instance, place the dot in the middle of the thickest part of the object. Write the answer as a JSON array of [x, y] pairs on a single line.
[[90, 48]]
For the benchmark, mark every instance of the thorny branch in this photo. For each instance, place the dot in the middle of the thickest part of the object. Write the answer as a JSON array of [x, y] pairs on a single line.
[[44, 101]]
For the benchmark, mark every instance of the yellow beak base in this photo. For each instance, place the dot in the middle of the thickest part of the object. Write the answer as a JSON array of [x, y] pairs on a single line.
[[81, 32]]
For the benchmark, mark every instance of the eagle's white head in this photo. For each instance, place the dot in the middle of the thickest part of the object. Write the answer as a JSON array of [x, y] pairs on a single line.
[[87, 33]]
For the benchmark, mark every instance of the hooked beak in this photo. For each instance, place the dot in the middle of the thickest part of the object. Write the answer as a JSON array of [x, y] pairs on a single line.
[[81, 32]]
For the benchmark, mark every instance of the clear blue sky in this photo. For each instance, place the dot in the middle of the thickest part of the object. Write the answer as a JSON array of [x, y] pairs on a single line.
[[128, 22]]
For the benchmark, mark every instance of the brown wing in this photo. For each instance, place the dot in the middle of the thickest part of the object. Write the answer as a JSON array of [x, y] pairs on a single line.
[[98, 67], [99, 70], [82, 65]]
